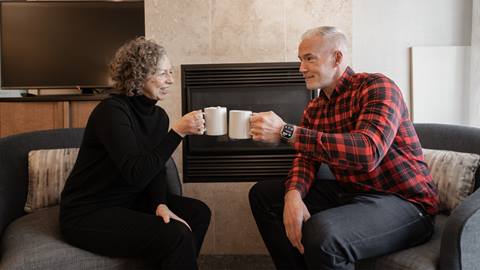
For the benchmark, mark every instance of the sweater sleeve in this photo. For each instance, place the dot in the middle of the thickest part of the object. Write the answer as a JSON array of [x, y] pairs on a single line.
[[113, 128], [157, 190]]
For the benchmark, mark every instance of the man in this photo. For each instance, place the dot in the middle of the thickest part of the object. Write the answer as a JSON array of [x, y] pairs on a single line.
[[382, 198]]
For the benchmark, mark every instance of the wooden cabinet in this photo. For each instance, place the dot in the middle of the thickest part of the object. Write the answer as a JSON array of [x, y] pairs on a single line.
[[18, 115], [80, 111]]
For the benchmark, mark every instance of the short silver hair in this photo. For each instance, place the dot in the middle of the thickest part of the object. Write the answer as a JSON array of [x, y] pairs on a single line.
[[331, 33]]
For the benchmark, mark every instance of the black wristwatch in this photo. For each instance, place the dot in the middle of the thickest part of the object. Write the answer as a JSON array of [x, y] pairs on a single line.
[[287, 132]]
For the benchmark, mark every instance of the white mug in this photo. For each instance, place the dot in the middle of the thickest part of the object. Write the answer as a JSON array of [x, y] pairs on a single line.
[[239, 124], [215, 121]]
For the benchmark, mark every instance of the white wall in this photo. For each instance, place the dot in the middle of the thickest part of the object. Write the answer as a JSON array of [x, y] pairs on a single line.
[[474, 95], [384, 30], [440, 84]]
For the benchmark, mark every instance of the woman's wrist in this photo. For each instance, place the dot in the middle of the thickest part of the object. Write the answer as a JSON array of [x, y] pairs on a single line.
[[178, 132]]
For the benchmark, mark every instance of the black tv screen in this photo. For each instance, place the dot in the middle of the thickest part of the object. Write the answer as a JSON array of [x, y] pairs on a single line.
[[64, 44]]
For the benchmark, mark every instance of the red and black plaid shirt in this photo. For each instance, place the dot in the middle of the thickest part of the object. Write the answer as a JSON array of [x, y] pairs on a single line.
[[364, 133]]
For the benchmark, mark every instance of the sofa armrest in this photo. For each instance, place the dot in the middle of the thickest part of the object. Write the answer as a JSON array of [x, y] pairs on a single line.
[[4, 214], [461, 236], [173, 180]]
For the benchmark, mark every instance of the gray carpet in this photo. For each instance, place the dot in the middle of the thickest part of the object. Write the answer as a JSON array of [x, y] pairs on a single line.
[[235, 262]]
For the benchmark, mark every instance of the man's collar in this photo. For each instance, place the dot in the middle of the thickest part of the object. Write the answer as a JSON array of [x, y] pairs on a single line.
[[343, 83]]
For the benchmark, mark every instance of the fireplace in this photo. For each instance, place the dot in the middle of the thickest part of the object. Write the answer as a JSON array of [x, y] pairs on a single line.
[[257, 87]]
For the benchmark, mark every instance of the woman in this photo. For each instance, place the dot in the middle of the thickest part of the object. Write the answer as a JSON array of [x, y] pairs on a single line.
[[115, 201]]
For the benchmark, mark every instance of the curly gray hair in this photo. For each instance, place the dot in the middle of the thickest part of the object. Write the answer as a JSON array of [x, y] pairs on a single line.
[[133, 63]]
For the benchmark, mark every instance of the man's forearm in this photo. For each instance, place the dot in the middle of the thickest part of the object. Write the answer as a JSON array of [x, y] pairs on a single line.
[[292, 194]]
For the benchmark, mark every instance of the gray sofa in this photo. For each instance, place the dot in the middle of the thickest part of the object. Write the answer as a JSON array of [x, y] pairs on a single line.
[[455, 244], [33, 242]]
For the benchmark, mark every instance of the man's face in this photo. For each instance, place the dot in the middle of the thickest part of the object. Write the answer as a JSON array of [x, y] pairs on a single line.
[[317, 63]]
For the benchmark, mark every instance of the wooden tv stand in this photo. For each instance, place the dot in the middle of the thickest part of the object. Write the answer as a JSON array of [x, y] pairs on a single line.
[[23, 114]]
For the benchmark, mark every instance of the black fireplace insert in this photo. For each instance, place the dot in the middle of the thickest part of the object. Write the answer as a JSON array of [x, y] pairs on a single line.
[[257, 87]]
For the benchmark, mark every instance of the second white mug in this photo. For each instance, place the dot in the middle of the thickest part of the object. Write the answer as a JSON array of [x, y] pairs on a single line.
[[239, 124]]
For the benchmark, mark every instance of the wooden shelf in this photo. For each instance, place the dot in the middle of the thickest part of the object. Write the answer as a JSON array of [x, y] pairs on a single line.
[[24, 114], [55, 98]]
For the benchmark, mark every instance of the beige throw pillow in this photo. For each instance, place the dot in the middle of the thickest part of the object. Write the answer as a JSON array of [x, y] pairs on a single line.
[[453, 173], [48, 170]]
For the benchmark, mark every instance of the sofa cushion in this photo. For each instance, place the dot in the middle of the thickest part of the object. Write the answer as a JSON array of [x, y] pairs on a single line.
[[454, 175], [48, 170], [422, 257], [33, 242]]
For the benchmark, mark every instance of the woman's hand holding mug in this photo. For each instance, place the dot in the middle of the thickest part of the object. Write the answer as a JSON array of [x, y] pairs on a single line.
[[191, 123]]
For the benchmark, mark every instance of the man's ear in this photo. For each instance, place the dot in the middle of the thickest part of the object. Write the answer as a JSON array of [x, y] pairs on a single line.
[[338, 56]]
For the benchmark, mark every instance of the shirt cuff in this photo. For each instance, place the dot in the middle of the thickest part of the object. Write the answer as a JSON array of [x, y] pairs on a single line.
[[297, 186], [306, 139], [175, 135]]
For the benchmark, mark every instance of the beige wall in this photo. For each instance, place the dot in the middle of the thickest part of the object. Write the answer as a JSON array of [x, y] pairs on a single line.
[[233, 31]]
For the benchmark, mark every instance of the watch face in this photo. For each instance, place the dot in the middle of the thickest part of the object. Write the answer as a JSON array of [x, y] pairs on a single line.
[[287, 131]]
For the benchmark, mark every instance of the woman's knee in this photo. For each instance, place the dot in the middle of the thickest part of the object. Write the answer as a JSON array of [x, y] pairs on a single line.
[[178, 235], [174, 239], [202, 211]]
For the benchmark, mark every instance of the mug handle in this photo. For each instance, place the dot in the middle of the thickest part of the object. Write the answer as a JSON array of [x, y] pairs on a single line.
[[205, 127]]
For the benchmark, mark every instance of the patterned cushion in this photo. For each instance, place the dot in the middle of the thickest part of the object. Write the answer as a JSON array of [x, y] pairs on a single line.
[[48, 169], [453, 173]]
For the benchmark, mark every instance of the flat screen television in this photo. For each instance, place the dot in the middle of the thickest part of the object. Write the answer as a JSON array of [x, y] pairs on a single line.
[[64, 44]]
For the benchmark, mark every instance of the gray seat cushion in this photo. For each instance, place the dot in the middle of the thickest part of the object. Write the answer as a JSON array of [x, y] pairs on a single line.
[[423, 257], [33, 242]]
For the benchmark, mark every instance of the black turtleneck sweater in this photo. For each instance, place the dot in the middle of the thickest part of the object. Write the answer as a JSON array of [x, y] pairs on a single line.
[[122, 157]]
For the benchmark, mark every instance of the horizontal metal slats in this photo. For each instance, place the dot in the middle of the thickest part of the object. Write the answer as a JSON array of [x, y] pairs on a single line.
[[237, 167], [287, 73]]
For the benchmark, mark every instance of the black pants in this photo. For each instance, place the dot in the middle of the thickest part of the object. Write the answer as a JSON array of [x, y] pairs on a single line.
[[124, 232], [343, 227]]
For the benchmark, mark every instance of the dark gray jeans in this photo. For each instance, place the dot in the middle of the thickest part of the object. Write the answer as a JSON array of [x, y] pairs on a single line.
[[344, 227]]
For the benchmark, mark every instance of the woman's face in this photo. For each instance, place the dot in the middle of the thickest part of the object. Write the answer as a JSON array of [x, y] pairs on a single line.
[[156, 85]]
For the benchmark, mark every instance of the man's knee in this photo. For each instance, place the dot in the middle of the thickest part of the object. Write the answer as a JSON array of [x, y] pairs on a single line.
[[266, 191], [319, 234], [257, 193], [323, 242], [254, 193]]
